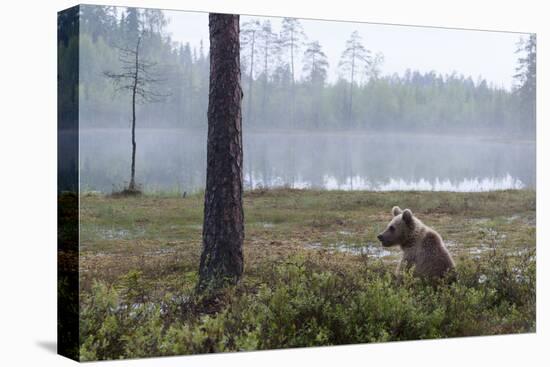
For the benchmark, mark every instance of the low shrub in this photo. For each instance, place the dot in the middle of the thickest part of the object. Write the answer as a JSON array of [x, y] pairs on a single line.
[[298, 304]]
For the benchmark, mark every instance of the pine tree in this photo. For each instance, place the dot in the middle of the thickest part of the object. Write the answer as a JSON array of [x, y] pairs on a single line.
[[526, 78], [354, 54], [315, 68], [316, 64], [249, 33], [269, 49], [292, 38], [223, 229], [133, 25]]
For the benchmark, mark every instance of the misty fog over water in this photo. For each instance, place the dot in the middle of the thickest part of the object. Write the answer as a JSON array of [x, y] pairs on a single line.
[[448, 124], [175, 160]]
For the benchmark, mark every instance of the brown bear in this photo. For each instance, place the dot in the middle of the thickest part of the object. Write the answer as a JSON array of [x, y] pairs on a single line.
[[422, 247]]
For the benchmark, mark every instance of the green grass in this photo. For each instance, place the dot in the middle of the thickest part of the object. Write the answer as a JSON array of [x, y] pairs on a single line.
[[140, 255]]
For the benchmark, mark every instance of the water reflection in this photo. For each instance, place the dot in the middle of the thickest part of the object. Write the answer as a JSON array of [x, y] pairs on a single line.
[[359, 183], [174, 160]]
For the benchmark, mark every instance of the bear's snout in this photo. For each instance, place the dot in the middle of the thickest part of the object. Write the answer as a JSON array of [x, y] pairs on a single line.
[[380, 237]]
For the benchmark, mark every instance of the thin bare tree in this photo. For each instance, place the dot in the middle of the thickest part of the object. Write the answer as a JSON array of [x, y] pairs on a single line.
[[137, 76]]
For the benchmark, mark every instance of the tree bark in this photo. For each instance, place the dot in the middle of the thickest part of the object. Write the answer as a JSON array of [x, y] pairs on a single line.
[[223, 229]]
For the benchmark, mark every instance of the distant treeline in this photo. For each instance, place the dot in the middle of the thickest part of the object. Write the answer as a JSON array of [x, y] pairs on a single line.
[[276, 96]]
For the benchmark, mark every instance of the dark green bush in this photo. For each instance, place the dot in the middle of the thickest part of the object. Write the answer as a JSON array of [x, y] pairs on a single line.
[[298, 304]]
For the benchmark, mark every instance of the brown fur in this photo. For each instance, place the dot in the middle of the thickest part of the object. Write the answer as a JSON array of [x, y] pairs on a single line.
[[422, 247]]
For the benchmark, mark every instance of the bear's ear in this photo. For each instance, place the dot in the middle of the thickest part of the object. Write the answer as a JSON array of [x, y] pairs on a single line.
[[408, 216], [396, 211]]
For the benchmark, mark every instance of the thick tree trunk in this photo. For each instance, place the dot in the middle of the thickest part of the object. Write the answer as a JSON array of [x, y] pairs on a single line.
[[223, 229]]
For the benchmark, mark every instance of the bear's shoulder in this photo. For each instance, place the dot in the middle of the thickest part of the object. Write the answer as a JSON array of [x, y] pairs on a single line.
[[431, 239]]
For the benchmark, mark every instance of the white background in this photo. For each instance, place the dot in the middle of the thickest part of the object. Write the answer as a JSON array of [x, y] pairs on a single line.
[[28, 183]]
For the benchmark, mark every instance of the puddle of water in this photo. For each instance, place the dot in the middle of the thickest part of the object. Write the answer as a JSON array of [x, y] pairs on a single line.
[[479, 250], [480, 220], [92, 193], [527, 220], [512, 218], [519, 252], [314, 245], [370, 249], [377, 251], [450, 244], [120, 234], [524, 251], [476, 252], [162, 251]]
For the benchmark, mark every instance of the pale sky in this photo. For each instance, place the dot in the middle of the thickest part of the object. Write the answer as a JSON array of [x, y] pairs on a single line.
[[471, 53]]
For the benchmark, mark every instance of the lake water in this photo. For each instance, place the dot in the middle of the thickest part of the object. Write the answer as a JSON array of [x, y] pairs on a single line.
[[175, 160]]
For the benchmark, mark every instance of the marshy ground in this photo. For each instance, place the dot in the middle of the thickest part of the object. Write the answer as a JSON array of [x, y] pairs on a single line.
[[161, 235], [311, 259]]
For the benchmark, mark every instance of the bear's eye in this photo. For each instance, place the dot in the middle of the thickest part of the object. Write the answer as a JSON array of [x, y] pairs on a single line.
[[392, 228]]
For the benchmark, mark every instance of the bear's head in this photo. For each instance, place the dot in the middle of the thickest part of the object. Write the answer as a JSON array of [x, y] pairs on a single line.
[[398, 229]]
